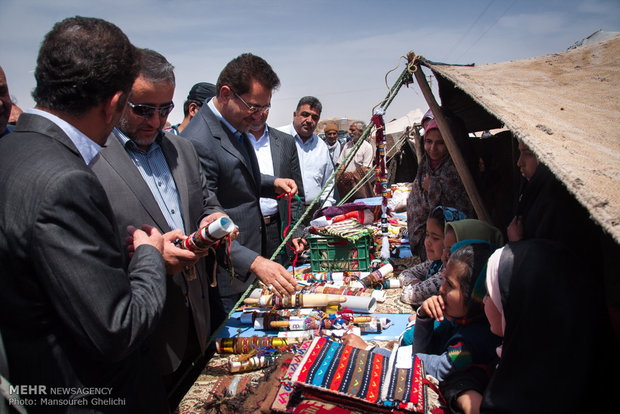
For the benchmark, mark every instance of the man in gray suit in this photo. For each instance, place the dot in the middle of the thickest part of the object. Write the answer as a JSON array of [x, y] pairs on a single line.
[[155, 178], [218, 132], [73, 313]]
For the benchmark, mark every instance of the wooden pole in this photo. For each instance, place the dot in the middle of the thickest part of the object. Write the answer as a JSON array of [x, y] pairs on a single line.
[[453, 148]]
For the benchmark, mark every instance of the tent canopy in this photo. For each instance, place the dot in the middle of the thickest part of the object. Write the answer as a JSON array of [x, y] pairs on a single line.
[[564, 106]]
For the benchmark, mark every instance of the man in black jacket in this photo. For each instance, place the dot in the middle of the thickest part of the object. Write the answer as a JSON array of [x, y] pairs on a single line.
[[73, 314]]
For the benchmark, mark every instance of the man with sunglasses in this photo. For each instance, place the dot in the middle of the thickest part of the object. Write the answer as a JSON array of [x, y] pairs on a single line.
[[155, 177], [218, 132]]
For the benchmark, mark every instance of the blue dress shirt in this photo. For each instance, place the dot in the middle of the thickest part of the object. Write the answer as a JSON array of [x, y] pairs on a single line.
[[154, 169]]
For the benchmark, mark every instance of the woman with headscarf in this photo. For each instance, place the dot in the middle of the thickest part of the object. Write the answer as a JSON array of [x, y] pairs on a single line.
[[557, 342], [546, 210], [437, 182]]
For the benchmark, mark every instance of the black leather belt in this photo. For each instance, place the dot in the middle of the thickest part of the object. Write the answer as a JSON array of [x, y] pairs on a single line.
[[271, 219]]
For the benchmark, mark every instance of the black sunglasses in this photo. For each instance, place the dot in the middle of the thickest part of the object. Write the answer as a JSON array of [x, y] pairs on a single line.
[[147, 111]]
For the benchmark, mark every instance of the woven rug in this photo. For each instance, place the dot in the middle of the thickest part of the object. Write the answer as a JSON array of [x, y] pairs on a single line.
[[393, 304]]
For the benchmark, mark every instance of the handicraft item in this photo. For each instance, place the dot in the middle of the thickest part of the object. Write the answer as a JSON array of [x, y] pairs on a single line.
[[381, 186], [201, 240], [299, 300], [365, 380]]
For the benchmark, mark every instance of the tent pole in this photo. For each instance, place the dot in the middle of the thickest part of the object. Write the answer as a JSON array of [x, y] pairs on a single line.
[[453, 149]]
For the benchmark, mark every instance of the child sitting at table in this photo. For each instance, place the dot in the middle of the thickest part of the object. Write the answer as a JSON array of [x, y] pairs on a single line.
[[456, 231], [423, 280], [462, 338]]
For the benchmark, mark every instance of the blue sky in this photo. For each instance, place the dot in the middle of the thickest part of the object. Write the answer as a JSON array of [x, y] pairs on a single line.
[[338, 51]]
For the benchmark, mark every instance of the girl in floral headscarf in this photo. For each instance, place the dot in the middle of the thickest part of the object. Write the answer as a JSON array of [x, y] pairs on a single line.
[[423, 280]]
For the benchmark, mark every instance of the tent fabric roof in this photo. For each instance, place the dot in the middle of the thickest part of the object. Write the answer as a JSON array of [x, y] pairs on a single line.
[[564, 106]]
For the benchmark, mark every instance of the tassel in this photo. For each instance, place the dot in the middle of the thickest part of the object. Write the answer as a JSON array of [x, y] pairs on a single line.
[[385, 247]]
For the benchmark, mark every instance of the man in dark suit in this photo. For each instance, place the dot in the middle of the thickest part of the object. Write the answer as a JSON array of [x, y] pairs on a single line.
[[277, 155], [73, 313], [156, 178], [218, 132]]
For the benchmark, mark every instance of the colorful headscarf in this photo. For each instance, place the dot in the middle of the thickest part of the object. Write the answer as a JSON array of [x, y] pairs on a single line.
[[449, 214], [427, 115], [432, 124]]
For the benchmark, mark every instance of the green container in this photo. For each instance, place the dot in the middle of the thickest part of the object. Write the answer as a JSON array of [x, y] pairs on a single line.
[[331, 253]]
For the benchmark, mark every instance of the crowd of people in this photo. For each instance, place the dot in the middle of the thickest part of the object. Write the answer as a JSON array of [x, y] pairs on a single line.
[[97, 294]]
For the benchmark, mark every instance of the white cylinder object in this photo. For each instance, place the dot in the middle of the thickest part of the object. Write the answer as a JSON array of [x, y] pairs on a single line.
[[219, 229], [385, 270], [360, 304], [256, 293]]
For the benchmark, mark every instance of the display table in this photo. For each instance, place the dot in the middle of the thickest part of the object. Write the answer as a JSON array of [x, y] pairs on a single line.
[[206, 393]]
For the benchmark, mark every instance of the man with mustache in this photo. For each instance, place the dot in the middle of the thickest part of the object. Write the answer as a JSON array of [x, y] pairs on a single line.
[[314, 160]]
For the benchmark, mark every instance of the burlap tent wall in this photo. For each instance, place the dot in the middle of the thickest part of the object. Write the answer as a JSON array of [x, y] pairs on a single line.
[[565, 106]]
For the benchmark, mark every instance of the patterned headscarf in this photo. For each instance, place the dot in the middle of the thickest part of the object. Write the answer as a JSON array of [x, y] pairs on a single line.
[[449, 214]]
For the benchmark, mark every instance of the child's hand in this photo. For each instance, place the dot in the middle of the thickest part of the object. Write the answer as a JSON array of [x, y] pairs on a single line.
[[432, 307]]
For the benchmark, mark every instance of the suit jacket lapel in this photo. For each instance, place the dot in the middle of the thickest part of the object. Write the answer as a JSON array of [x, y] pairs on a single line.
[[180, 178], [230, 143], [40, 124], [120, 161]]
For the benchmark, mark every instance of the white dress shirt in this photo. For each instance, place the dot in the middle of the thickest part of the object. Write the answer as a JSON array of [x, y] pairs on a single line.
[[315, 164], [262, 148], [362, 158]]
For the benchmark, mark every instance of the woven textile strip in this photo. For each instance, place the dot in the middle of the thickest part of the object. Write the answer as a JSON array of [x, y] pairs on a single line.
[[357, 377], [349, 229], [381, 184]]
